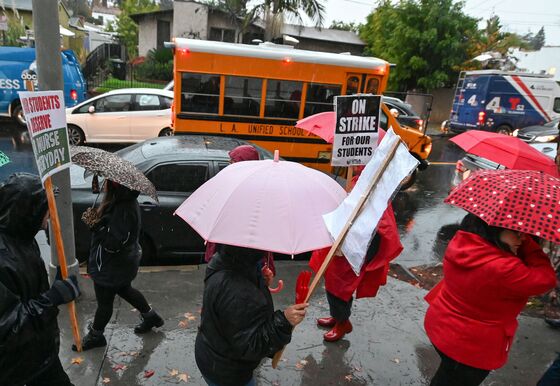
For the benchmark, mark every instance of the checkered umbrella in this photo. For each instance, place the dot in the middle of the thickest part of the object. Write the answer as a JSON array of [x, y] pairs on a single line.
[[522, 200], [114, 168]]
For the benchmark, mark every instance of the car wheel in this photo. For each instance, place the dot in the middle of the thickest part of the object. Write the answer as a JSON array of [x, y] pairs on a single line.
[[148, 250], [504, 129], [409, 181], [167, 132], [75, 135], [18, 116]]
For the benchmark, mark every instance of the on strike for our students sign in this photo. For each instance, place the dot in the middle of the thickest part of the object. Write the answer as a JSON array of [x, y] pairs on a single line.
[[46, 121], [357, 129]]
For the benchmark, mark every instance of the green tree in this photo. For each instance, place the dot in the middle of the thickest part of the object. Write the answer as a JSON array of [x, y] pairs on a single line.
[[127, 28], [272, 12], [428, 40], [493, 39], [16, 29], [340, 25]]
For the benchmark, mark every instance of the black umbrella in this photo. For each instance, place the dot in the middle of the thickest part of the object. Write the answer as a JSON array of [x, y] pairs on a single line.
[[114, 168]]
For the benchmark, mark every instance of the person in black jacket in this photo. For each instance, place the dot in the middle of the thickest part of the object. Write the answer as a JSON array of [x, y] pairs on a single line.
[[29, 334], [113, 262], [239, 326]]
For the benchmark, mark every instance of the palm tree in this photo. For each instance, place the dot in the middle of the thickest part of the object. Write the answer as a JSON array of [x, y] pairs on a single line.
[[274, 11]]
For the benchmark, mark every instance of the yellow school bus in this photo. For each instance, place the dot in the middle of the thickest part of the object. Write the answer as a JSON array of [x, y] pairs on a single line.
[[258, 92]]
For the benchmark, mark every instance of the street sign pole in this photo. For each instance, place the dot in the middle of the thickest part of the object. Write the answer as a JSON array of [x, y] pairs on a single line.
[[49, 73]]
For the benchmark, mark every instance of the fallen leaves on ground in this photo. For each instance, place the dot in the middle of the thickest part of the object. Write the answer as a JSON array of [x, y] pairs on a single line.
[[148, 373], [396, 360], [77, 360], [183, 377], [189, 316], [301, 364], [174, 372], [119, 367], [183, 323], [106, 380], [348, 377]]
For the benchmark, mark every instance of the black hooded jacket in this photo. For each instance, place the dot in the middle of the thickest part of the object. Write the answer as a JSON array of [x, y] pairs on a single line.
[[239, 326], [115, 252], [29, 335]]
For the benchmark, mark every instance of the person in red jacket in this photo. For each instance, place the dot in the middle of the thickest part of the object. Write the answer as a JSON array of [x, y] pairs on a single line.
[[341, 282], [489, 274]]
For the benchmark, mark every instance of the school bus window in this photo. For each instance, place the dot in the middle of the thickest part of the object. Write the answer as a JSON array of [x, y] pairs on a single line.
[[352, 84], [320, 98], [372, 86], [283, 99], [200, 93], [242, 96], [556, 107]]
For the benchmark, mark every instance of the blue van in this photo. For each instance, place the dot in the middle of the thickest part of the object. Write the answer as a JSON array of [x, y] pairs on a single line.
[[18, 72], [502, 101]]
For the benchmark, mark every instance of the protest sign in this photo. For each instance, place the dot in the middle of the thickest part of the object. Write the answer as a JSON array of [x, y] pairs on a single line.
[[46, 121], [356, 130], [395, 168]]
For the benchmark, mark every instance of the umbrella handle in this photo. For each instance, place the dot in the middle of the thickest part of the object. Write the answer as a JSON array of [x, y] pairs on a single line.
[[278, 288]]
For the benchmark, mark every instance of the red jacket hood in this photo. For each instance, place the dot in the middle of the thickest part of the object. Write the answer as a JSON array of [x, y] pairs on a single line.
[[470, 250]]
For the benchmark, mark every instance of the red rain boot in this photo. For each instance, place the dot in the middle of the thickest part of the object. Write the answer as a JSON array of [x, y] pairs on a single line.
[[326, 322], [338, 331]]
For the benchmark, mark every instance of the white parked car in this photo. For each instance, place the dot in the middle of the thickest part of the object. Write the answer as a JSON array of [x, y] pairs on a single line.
[[121, 116]]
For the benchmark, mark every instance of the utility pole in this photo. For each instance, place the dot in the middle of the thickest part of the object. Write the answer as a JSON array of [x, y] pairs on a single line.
[[49, 75]]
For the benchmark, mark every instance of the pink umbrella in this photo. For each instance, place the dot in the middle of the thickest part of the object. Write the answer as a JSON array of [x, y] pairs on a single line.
[[321, 124], [269, 205]]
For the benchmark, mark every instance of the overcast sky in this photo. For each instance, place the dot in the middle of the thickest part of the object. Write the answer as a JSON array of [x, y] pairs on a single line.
[[519, 16]]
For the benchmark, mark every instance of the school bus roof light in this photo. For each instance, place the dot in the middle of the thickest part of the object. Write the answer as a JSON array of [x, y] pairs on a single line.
[[287, 60], [184, 51]]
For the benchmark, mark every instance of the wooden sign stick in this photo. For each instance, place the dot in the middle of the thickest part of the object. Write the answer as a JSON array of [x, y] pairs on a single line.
[[344, 232], [62, 258]]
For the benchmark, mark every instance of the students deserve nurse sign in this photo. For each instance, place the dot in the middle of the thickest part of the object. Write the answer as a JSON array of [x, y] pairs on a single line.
[[357, 129], [46, 121]]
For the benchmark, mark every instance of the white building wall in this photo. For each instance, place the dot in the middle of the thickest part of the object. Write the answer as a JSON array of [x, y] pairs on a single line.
[[147, 35], [190, 20]]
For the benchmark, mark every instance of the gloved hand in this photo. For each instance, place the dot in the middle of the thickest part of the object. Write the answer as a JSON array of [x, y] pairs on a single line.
[[63, 291]]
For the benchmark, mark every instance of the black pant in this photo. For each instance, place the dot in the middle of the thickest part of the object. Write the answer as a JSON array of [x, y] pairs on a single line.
[[552, 376], [340, 309], [453, 373], [54, 375], [106, 296]]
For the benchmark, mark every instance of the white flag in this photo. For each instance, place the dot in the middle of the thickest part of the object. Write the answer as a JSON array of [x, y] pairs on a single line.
[[359, 236]]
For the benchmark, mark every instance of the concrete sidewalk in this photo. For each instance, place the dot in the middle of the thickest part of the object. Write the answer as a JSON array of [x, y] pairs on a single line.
[[387, 347]]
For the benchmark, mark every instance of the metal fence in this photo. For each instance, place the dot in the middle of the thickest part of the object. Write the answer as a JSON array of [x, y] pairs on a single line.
[[420, 102]]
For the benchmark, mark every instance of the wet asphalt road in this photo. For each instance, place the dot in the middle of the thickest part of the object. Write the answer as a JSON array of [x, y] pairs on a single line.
[[426, 224]]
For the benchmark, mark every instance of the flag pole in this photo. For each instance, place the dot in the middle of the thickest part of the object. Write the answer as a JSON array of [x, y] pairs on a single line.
[[338, 242], [62, 258]]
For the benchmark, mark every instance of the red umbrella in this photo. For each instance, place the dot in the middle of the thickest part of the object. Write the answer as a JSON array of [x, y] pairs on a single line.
[[321, 124], [509, 151], [522, 200]]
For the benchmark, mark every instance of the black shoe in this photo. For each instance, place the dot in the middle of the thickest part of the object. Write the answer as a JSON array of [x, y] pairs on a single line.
[[91, 340], [149, 319], [555, 323]]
